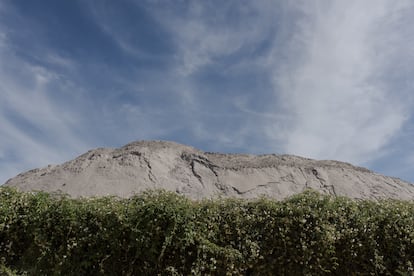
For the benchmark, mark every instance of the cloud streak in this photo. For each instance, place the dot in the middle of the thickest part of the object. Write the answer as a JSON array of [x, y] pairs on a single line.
[[328, 63], [339, 107], [35, 129], [207, 54]]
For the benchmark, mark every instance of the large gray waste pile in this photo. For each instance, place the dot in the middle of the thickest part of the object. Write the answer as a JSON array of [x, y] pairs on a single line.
[[144, 165]]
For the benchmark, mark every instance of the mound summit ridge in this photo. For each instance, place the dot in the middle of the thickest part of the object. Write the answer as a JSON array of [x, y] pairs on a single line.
[[144, 165]]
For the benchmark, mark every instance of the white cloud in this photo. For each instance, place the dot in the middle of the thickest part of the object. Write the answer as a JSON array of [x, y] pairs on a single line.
[[202, 34], [35, 130], [328, 63], [205, 32], [339, 107], [60, 61]]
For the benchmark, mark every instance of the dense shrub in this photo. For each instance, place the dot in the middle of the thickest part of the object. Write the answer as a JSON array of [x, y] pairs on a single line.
[[166, 234]]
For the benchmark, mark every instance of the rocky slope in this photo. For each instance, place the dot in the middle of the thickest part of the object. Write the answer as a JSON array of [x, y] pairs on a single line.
[[158, 164]]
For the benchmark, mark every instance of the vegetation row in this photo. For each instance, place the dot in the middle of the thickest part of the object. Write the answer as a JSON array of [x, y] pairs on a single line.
[[161, 233]]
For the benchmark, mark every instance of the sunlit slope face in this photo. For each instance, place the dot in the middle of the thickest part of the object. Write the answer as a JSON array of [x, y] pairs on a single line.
[[144, 165]]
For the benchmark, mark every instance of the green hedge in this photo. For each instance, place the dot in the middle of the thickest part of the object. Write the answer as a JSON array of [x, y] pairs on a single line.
[[166, 234]]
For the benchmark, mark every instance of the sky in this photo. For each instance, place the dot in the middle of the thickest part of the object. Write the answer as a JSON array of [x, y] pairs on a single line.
[[323, 79]]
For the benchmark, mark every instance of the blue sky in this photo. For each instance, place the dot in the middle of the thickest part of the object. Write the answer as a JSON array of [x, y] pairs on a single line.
[[317, 78]]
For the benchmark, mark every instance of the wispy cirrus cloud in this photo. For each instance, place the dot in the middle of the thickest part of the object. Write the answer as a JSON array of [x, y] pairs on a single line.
[[35, 129], [329, 68], [210, 49], [335, 88], [206, 33], [57, 102]]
